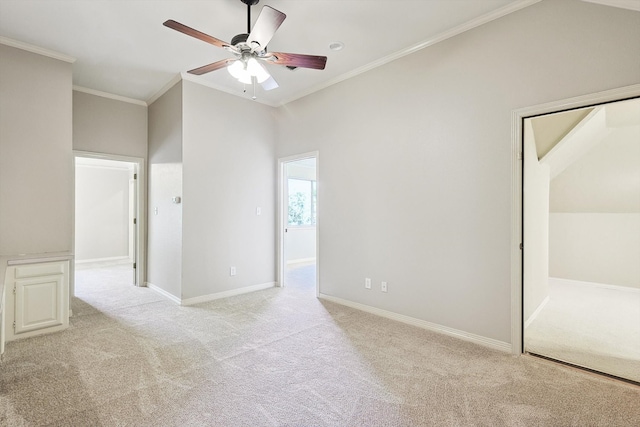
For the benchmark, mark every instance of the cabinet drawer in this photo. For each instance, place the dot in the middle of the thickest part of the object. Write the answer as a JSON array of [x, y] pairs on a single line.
[[37, 270]]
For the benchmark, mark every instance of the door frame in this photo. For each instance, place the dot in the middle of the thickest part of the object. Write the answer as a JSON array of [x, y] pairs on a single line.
[[140, 212], [517, 210], [282, 209]]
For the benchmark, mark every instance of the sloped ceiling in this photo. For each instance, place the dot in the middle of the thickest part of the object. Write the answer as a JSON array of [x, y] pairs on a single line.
[[605, 178], [551, 128], [121, 47]]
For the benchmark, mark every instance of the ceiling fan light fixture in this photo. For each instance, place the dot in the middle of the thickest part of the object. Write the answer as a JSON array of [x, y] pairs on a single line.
[[237, 69], [246, 79], [254, 68]]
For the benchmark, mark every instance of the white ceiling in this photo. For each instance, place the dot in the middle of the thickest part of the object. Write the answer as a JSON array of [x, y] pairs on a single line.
[[122, 48]]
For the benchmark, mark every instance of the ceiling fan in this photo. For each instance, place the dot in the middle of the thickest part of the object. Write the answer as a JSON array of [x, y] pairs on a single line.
[[250, 49]]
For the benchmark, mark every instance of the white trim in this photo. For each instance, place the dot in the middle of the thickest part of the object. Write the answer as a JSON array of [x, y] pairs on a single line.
[[281, 209], [434, 327], [229, 293], [517, 117], [536, 313], [162, 292], [623, 4], [38, 258], [200, 81], [573, 282], [171, 83], [481, 20], [37, 49], [141, 212], [234, 90], [108, 95], [107, 259]]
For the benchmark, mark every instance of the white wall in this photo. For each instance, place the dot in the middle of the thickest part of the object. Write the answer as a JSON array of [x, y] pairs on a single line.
[[229, 171], [416, 158], [596, 247], [300, 244], [164, 237], [104, 125], [536, 225], [101, 212], [36, 164]]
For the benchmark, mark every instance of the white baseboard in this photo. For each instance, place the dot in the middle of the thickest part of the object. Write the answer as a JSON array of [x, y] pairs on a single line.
[[477, 339], [594, 284], [227, 294], [162, 292], [108, 259], [536, 312]]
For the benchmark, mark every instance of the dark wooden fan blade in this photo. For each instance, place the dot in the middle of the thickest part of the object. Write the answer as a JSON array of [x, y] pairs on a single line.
[[266, 25], [297, 60], [194, 33], [211, 67]]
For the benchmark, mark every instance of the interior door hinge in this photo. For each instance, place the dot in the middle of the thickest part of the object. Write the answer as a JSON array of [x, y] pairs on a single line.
[[135, 220], [14, 289], [134, 265], [521, 246], [14, 324], [135, 176], [520, 156]]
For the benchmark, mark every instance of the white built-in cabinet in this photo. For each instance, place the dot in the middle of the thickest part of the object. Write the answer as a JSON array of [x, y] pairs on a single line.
[[36, 299]]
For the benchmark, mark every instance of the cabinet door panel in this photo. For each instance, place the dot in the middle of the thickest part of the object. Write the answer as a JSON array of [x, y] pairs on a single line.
[[38, 303]]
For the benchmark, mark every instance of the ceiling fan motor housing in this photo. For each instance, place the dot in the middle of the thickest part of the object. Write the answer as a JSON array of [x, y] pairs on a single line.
[[240, 38], [250, 2]]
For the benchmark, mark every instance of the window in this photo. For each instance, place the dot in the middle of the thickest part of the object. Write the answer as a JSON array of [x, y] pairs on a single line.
[[302, 202]]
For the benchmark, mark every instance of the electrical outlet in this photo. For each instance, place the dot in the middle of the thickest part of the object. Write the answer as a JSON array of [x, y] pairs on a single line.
[[367, 283], [383, 287], [232, 271]]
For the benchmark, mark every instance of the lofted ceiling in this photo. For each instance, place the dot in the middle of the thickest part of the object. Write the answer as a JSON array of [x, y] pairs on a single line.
[[595, 167], [122, 48]]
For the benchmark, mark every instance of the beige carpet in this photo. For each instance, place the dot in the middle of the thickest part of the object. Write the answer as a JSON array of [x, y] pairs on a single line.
[[280, 357], [589, 326]]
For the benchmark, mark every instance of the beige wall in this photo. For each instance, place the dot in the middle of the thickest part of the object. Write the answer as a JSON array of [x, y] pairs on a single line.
[[101, 212], [104, 125], [36, 164], [415, 179], [164, 236], [229, 171]]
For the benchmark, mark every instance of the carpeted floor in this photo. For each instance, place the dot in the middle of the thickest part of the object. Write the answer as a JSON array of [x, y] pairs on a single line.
[[280, 357], [589, 326]]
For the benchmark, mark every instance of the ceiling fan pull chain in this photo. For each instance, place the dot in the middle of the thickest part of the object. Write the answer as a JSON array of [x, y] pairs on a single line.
[[253, 80]]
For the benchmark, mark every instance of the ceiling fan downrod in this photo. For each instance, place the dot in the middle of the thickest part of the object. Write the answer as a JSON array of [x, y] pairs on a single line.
[[249, 3]]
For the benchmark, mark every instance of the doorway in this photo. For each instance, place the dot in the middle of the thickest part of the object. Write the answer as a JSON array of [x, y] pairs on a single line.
[[581, 235], [298, 207], [108, 221]]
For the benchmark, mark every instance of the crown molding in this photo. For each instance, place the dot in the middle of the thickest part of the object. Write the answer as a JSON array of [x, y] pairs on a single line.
[[481, 20], [171, 83], [622, 4], [198, 80], [37, 49], [108, 95]]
